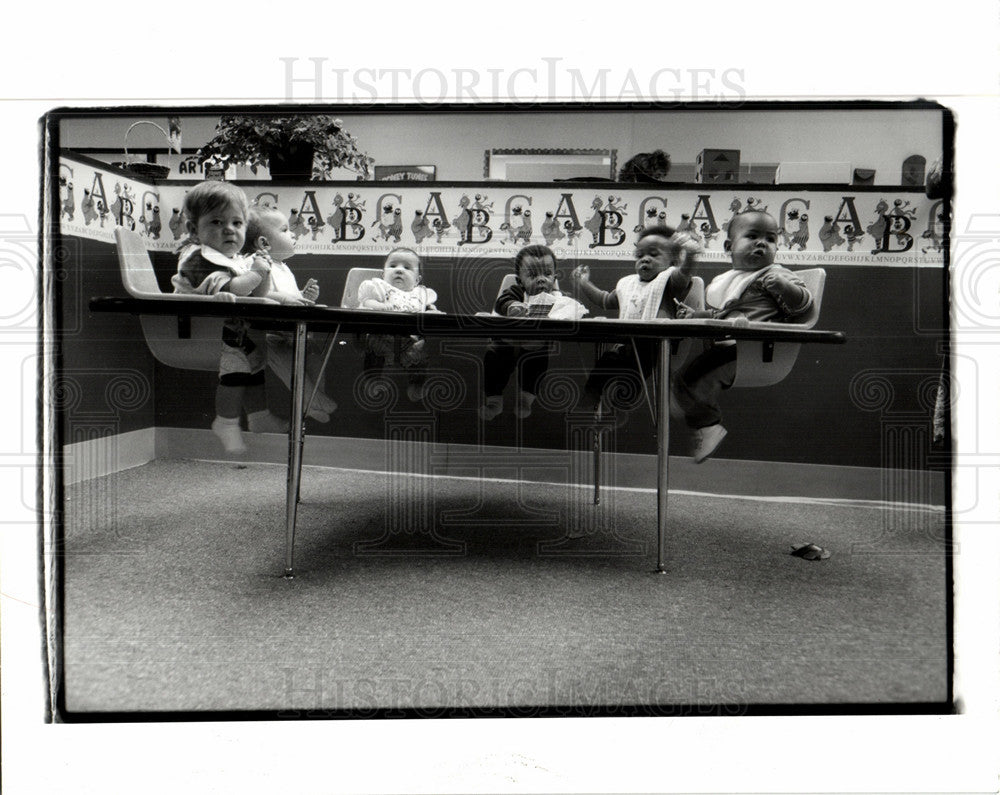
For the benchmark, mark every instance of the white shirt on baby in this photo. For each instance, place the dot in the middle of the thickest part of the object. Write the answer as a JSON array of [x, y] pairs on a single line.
[[639, 300], [416, 300]]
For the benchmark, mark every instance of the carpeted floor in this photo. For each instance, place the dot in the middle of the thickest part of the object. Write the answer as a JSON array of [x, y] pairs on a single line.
[[174, 598]]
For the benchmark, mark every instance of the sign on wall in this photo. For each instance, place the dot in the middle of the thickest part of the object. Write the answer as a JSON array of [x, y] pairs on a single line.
[[491, 219]]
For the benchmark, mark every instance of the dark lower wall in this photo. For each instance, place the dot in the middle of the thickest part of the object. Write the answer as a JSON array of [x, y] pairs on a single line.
[[866, 403], [105, 377]]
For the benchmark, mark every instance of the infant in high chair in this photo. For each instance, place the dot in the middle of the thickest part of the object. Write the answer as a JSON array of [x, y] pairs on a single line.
[[755, 289], [269, 239], [664, 261], [533, 292], [210, 263], [399, 289]]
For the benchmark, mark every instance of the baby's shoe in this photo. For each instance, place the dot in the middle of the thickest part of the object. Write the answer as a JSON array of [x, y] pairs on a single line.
[[320, 401], [320, 408], [706, 440], [264, 421], [229, 433], [415, 388], [413, 354], [492, 408], [522, 408]]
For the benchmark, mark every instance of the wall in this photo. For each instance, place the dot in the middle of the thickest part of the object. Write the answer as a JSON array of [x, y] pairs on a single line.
[[105, 384], [455, 142]]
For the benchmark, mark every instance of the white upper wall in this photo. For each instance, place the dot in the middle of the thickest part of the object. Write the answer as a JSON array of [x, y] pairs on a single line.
[[455, 141]]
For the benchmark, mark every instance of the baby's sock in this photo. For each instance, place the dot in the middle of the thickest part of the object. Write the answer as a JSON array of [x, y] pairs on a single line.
[[413, 354], [264, 421], [523, 407], [492, 408], [320, 402], [415, 391], [228, 431], [321, 406]]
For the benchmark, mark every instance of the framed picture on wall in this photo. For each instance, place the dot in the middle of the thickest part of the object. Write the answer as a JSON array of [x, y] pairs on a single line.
[[545, 165], [405, 173]]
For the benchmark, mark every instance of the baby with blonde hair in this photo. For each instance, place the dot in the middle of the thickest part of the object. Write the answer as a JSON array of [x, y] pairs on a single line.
[[270, 239], [211, 262]]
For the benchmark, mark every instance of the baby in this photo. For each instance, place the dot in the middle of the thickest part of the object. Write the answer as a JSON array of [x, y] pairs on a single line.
[[534, 289], [398, 290], [664, 260], [210, 263], [268, 238], [754, 290]]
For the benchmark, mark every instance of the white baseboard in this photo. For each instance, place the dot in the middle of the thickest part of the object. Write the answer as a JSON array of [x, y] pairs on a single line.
[[105, 455], [765, 479]]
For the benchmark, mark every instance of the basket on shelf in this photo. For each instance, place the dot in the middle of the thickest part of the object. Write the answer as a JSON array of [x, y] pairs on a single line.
[[142, 168]]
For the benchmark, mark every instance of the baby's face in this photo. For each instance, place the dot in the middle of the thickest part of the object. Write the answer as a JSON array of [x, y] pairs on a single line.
[[281, 244], [653, 255], [753, 242], [402, 270], [537, 275], [223, 229]]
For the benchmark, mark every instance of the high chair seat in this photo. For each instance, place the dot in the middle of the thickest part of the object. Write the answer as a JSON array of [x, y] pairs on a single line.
[[355, 276], [766, 363], [187, 343]]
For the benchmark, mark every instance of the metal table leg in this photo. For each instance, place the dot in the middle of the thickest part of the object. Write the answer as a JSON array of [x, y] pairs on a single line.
[[331, 340], [662, 450], [295, 434], [597, 458]]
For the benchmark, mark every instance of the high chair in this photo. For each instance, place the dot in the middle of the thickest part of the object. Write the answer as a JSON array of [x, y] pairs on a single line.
[[765, 363], [354, 278], [349, 300], [187, 343]]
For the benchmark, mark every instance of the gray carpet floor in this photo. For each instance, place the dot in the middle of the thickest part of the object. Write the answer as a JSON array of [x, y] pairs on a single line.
[[430, 594]]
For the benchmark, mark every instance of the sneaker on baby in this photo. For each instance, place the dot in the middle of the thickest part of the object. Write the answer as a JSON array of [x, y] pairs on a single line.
[[493, 406], [227, 429]]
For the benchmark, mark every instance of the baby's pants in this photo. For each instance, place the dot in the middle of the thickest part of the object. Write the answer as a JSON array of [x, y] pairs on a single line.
[[243, 355], [698, 386], [618, 377], [502, 358]]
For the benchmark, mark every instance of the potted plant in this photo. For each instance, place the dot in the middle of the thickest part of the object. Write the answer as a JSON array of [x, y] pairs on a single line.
[[292, 147]]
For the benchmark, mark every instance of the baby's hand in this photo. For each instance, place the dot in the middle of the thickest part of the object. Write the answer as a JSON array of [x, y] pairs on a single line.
[[740, 321], [517, 309], [311, 291], [581, 273], [682, 310], [691, 249], [260, 266]]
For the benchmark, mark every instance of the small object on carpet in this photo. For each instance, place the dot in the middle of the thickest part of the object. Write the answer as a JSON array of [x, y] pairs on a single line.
[[809, 552]]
